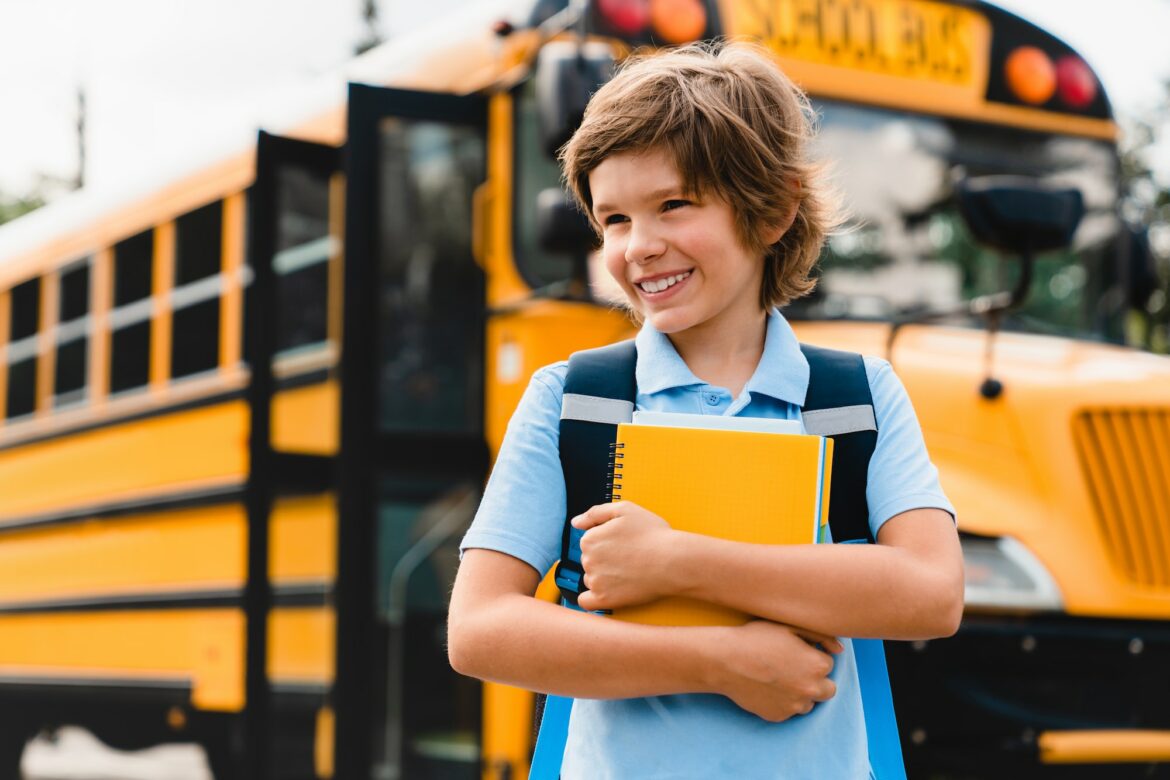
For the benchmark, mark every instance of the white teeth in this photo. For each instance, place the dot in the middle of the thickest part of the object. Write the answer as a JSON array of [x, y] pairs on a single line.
[[659, 285]]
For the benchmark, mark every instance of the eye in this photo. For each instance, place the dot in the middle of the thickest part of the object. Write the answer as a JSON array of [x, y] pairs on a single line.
[[615, 219], [675, 203]]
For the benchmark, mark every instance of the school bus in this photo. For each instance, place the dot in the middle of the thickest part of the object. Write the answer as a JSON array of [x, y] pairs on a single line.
[[246, 413]]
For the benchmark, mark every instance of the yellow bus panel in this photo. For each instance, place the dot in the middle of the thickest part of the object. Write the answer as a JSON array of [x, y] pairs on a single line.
[[300, 645], [307, 419], [127, 461], [202, 647], [201, 548], [303, 539], [161, 553]]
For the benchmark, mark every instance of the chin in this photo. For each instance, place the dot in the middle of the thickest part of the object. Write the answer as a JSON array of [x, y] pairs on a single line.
[[668, 321]]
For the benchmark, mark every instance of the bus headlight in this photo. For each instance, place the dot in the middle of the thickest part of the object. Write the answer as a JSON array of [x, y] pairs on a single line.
[[1002, 574]]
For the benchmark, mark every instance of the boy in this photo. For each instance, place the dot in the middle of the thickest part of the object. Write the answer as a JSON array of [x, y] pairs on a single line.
[[691, 164]]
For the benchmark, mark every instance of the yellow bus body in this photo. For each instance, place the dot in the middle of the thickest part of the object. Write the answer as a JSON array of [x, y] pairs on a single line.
[[1044, 469]]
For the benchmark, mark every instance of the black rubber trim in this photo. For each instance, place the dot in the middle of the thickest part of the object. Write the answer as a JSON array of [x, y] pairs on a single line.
[[39, 689], [225, 494], [288, 383], [175, 690], [308, 594]]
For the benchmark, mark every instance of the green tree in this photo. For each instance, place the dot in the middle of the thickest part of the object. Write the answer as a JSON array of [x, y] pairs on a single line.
[[1146, 205], [12, 207]]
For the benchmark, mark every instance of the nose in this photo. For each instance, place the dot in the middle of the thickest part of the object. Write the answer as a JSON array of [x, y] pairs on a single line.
[[644, 243]]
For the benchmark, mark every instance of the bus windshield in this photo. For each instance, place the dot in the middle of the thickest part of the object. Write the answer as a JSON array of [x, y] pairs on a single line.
[[903, 247]]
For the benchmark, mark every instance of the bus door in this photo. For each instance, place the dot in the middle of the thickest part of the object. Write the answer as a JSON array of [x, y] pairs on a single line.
[[413, 456], [292, 341]]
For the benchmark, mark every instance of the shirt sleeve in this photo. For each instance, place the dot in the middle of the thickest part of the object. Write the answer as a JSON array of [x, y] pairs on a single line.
[[901, 476], [522, 512]]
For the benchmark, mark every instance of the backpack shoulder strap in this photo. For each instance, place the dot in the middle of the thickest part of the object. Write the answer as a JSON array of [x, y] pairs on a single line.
[[839, 404], [599, 393]]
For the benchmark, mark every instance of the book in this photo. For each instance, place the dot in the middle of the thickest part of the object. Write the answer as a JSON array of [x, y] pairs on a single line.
[[718, 422], [741, 485]]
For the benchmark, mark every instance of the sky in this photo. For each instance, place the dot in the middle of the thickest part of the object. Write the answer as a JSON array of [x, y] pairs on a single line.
[[168, 78]]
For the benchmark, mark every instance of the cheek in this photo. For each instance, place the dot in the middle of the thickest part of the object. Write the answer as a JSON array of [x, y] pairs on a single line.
[[613, 251]]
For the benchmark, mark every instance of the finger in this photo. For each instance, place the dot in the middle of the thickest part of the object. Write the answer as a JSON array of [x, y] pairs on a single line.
[[831, 644], [594, 516], [825, 691]]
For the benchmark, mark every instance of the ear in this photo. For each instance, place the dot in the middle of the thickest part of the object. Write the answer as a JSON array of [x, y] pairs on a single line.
[[774, 233]]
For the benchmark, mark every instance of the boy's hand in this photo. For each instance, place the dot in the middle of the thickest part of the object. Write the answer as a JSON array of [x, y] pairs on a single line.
[[776, 671], [619, 552]]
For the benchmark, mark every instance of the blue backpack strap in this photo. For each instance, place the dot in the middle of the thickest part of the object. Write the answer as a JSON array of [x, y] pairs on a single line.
[[839, 404], [551, 739], [599, 394]]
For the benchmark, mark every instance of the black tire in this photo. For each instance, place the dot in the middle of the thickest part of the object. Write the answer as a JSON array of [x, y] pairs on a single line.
[[12, 745]]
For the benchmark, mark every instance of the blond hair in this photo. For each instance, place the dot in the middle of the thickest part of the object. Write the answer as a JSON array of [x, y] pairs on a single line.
[[735, 126]]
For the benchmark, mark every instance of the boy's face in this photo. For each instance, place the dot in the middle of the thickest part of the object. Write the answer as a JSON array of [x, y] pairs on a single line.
[[677, 257]]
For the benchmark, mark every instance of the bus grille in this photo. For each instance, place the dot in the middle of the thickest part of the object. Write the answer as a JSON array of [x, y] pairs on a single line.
[[1126, 458]]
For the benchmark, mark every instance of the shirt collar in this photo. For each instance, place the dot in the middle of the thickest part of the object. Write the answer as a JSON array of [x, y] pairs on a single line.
[[782, 372]]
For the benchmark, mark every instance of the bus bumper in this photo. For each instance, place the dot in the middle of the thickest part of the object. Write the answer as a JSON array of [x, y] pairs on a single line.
[[1036, 696]]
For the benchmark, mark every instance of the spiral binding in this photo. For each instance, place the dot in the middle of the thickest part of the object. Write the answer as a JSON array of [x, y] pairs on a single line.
[[614, 484]]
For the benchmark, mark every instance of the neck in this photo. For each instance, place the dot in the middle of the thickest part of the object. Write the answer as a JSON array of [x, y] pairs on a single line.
[[724, 353]]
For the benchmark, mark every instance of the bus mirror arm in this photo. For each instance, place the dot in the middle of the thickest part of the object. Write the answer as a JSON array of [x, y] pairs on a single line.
[[1017, 215], [990, 307]]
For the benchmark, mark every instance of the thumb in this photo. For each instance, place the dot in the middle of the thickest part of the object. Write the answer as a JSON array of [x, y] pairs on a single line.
[[588, 602]]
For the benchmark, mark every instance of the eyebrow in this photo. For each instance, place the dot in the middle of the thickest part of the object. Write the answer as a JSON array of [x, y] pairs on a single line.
[[658, 194]]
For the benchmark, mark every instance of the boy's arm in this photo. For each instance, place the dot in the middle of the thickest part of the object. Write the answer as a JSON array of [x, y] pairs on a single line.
[[497, 631], [908, 586]]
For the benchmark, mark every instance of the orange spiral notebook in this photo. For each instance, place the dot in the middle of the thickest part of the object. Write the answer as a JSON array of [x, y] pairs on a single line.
[[763, 488]]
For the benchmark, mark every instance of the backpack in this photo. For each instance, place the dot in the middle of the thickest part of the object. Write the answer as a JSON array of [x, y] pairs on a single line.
[[599, 394]]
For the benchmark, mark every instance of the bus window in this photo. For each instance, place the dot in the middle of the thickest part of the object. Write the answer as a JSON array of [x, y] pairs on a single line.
[[72, 335], [432, 291], [303, 249], [906, 248], [130, 318], [22, 349], [195, 298]]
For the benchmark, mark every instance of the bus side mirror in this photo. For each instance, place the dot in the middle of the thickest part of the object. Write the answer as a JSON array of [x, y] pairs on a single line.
[[567, 75], [1020, 215], [560, 225]]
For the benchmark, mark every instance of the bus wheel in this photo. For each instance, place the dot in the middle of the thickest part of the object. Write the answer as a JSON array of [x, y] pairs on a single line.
[[220, 760], [12, 744], [220, 739]]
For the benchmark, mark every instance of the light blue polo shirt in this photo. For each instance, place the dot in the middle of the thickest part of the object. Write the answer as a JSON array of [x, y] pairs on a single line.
[[700, 735]]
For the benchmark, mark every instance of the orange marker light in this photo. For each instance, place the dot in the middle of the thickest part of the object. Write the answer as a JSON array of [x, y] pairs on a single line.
[[678, 21], [1030, 75]]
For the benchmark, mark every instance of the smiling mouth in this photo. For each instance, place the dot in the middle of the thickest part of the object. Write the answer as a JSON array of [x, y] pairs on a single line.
[[666, 282]]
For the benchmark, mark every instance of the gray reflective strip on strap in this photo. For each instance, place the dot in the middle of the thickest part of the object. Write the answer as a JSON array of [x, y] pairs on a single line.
[[589, 408], [843, 419]]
